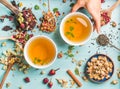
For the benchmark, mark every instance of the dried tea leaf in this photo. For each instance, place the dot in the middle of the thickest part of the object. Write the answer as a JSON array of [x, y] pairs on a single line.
[[70, 47], [70, 55], [6, 28], [119, 58], [72, 4], [77, 71]]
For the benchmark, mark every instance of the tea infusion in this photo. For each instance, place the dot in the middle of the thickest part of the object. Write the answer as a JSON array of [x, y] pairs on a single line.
[[41, 51], [77, 28]]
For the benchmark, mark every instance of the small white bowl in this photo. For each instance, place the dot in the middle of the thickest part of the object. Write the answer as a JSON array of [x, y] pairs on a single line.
[[29, 60], [62, 32]]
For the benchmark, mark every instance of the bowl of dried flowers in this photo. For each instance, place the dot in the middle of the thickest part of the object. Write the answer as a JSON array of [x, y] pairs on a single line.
[[99, 68]]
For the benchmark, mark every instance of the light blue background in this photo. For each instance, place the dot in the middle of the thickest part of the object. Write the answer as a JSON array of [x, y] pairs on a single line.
[[64, 63]]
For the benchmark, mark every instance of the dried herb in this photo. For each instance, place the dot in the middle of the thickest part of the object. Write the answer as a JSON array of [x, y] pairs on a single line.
[[55, 10], [119, 58], [70, 47], [72, 4], [27, 37], [6, 28], [77, 71], [36, 7], [44, 4], [69, 54]]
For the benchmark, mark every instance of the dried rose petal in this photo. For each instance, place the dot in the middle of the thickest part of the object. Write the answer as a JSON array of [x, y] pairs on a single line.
[[102, 1], [6, 28]]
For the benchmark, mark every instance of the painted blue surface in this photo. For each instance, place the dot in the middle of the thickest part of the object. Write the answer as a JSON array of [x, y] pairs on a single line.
[[85, 51]]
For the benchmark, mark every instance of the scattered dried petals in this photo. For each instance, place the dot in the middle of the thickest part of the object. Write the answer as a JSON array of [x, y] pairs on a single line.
[[6, 28]]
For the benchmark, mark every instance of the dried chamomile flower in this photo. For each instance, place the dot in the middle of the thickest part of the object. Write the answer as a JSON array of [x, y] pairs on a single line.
[[84, 78], [63, 82], [79, 63], [42, 72], [114, 82], [72, 82], [4, 67], [74, 60], [20, 4], [8, 84], [25, 71], [99, 68], [113, 24], [3, 44], [20, 87], [118, 74]]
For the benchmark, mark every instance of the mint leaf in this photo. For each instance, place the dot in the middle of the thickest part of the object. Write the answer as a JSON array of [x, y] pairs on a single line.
[[55, 9], [71, 28]]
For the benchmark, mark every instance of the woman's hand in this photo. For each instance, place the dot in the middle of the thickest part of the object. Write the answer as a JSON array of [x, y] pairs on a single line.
[[93, 7]]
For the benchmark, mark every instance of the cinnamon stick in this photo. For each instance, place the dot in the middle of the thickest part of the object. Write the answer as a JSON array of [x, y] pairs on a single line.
[[74, 78]]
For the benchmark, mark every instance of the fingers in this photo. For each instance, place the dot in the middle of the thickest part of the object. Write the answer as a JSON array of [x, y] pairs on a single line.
[[79, 4], [97, 24]]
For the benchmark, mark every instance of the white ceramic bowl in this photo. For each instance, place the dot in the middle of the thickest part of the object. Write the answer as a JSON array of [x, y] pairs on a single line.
[[62, 32], [29, 60]]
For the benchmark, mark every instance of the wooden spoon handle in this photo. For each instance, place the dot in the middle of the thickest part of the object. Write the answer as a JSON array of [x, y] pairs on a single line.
[[10, 6], [114, 5], [48, 5], [5, 38], [5, 75]]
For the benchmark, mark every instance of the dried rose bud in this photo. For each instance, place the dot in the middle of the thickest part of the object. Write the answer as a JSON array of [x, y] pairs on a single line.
[[60, 55], [45, 80], [27, 79], [22, 25], [50, 84]]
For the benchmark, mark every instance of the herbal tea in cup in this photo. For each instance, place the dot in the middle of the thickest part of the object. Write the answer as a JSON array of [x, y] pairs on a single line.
[[40, 51], [76, 28]]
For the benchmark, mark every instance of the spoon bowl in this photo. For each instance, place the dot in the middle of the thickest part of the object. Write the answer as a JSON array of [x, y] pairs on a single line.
[[106, 14]]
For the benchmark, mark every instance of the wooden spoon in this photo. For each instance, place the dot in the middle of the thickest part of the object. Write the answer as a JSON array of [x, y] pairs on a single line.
[[8, 38], [6, 73], [10, 6], [49, 11], [26, 19], [106, 14]]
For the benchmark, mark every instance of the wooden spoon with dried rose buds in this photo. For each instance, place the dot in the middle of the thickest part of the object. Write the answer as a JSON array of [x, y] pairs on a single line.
[[106, 14], [26, 19]]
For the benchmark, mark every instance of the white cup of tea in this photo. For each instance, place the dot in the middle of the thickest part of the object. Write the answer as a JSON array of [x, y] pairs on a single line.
[[40, 51], [76, 28]]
